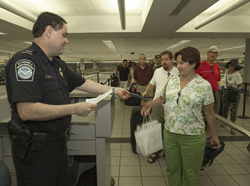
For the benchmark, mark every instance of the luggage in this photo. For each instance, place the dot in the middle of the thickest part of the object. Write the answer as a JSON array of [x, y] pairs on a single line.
[[136, 118], [133, 101], [114, 80], [210, 154]]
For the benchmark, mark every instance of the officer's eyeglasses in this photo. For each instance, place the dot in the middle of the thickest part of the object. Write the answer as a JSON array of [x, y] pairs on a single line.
[[179, 95]]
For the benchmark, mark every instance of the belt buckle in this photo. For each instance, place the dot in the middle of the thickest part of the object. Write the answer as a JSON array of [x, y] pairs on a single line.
[[66, 133]]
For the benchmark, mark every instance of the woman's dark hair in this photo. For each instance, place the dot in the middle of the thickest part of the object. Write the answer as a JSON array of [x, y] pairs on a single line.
[[191, 55], [45, 19]]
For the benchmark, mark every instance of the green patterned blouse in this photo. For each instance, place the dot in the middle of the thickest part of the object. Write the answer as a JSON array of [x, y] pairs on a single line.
[[183, 108]]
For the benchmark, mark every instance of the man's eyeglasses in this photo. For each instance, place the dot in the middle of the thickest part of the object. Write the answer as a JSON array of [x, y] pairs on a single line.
[[212, 69], [179, 95]]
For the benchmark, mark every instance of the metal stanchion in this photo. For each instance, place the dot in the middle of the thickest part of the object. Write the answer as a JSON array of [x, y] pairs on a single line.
[[244, 104], [98, 78]]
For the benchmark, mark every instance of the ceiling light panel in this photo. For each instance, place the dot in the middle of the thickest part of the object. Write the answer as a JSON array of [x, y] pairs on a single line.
[[112, 47], [134, 7], [79, 7], [231, 48], [217, 6], [176, 45], [36, 6]]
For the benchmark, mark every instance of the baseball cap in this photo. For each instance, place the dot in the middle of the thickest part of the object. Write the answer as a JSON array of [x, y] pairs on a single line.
[[213, 49]]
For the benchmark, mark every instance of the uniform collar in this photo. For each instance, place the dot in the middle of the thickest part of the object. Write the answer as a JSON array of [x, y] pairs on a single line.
[[35, 48]]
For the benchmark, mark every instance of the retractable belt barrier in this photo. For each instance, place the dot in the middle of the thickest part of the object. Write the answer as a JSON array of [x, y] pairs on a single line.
[[236, 127]]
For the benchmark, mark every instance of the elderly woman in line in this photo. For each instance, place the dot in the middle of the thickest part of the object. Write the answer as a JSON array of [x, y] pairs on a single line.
[[185, 98], [232, 91]]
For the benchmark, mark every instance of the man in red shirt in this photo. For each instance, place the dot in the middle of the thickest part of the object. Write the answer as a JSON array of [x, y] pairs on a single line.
[[210, 71], [143, 74]]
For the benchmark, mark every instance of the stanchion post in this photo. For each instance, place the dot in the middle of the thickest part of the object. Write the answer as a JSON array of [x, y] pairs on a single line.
[[244, 104]]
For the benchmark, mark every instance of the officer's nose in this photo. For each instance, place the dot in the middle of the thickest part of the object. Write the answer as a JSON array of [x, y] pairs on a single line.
[[66, 40]]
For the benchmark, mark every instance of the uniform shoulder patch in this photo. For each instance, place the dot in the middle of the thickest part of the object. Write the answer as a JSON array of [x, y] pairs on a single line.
[[25, 70]]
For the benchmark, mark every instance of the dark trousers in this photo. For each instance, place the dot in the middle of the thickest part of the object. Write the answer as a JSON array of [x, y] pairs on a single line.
[[230, 105], [46, 167]]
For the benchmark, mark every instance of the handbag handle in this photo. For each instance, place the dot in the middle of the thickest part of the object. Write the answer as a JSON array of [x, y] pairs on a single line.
[[146, 118], [226, 81], [165, 89]]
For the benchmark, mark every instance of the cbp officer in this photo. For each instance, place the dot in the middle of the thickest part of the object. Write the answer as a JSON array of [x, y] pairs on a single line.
[[38, 86]]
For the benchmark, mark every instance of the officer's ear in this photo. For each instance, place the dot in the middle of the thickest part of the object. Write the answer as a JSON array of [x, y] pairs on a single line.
[[48, 30]]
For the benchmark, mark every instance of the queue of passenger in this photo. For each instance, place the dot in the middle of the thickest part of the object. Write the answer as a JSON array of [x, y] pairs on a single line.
[[193, 96]]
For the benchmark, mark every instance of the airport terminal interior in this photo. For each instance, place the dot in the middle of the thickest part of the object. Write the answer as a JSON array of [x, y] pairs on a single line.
[[230, 168], [100, 36]]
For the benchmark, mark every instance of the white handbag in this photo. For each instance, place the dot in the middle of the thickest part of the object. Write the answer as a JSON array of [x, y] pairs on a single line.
[[148, 138]]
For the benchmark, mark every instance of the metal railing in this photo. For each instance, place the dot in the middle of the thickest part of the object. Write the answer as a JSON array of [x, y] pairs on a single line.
[[236, 127]]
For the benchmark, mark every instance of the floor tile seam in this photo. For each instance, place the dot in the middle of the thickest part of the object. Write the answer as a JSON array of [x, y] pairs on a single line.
[[248, 172], [236, 159], [236, 174], [209, 176], [224, 169], [165, 181]]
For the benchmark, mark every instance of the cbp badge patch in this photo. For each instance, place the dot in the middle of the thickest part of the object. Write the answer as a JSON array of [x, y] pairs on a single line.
[[25, 70]]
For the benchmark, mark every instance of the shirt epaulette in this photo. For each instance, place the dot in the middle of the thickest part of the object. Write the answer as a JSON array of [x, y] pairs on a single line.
[[29, 52]]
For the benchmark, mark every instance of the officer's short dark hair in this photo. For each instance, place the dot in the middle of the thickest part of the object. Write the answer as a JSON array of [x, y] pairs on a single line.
[[45, 19], [190, 55], [170, 54]]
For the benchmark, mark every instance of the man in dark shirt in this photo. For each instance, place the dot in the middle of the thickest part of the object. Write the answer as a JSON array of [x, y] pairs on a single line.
[[123, 74], [157, 63], [143, 74], [38, 84]]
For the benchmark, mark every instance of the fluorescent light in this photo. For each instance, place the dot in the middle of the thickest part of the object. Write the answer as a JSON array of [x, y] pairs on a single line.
[[27, 42], [182, 42], [112, 47], [134, 7], [231, 48], [5, 51], [1, 33]]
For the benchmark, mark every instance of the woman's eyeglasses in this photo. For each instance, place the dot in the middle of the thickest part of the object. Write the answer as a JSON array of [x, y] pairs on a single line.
[[179, 95], [212, 69]]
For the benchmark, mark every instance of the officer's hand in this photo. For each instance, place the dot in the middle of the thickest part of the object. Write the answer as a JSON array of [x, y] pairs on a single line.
[[122, 93], [84, 108]]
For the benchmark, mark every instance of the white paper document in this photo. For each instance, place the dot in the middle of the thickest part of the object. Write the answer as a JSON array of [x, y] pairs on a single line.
[[100, 97]]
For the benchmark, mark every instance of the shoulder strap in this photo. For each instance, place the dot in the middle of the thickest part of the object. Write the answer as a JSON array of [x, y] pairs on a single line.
[[226, 79], [165, 88]]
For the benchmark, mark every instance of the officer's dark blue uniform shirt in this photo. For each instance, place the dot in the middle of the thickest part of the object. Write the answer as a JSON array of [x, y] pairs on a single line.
[[32, 77]]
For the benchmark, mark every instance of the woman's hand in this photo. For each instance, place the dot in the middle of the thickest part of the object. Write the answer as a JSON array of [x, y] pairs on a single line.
[[215, 142], [145, 109]]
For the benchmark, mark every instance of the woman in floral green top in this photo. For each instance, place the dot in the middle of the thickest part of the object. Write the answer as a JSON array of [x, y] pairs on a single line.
[[185, 98]]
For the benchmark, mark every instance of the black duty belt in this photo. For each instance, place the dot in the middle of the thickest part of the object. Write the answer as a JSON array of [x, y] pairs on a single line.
[[44, 136]]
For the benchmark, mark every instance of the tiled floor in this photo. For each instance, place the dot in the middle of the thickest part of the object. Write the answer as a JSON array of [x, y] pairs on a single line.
[[230, 168]]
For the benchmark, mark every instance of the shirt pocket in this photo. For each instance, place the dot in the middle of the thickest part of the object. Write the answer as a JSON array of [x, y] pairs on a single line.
[[53, 93]]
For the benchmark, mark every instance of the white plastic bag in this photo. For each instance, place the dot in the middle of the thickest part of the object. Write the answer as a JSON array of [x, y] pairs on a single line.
[[148, 138]]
